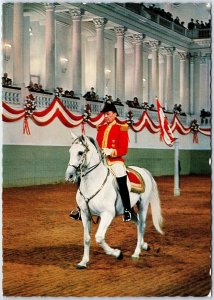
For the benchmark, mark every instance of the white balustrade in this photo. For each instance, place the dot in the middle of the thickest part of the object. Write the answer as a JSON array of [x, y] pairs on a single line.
[[12, 96]]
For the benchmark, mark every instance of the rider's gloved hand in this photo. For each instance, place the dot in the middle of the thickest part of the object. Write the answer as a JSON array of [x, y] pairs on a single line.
[[107, 151]]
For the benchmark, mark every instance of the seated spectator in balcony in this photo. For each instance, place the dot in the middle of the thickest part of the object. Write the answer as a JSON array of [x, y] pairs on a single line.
[[182, 24], [177, 109], [117, 102], [136, 102], [30, 86], [40, 88], [145, 105], [191, 25], [36, 87], [90, 95], [110, 99], [152, 107], [6, 81], [71, 93], [67, 94]]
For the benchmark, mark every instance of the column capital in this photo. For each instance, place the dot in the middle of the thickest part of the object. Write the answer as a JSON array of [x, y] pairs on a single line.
[[183, 55], [99, 22], [138, 38], [202, 59], [76, 13], [120, 30], [154, 45], [169, 50]]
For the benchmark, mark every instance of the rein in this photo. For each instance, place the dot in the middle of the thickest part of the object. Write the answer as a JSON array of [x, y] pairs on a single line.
[[79, 169], [87, 199]]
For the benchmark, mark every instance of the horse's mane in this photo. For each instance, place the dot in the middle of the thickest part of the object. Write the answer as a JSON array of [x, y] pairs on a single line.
[[94, 142]]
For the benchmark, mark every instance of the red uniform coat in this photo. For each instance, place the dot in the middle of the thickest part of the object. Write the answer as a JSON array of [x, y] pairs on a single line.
[[114, 136]]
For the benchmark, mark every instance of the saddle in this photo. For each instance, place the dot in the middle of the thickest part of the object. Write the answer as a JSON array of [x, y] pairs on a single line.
[[136, 181]]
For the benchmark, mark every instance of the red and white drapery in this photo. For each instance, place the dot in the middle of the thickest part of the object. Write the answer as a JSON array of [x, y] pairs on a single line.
[[57, 110]]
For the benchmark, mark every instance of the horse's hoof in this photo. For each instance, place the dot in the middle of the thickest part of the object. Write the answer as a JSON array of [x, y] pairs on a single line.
[[120, 257], [80, 267], [134, 257], [145, 247]]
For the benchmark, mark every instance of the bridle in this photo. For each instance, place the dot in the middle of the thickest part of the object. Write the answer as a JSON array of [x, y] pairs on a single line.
[[83, 163]]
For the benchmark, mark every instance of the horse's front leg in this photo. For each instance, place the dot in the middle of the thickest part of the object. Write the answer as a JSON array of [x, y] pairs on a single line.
[[86, 225], [106, 219]]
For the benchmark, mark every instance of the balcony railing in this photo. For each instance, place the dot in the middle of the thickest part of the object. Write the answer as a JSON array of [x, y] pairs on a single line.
[[13, 97], [193, 34]]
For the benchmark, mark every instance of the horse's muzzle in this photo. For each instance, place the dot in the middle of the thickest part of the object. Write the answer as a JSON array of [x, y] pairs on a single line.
[[70, 174]]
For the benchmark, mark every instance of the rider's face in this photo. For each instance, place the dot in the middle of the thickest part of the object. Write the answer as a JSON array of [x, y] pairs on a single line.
[[109, 116]]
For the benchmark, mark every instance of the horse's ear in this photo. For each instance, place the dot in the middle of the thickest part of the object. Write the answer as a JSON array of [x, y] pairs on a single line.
[[73, 136]]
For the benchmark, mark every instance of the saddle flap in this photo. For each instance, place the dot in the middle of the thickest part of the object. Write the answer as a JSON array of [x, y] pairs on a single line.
[[136, 181]]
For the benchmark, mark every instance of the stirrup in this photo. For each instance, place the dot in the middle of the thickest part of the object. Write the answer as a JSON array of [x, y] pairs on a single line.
[[75, 214], [127, 216]]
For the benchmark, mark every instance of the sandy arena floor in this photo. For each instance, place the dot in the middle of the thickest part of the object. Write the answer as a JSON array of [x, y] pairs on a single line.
[[41, 245]]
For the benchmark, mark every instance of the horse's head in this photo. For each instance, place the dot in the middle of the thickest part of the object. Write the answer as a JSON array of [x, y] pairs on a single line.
[[83, 153]]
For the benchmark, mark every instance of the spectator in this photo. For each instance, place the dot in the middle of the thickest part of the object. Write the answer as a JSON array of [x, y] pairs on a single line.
[[40, 89], [90, 95], [71, 93], [6, 81], [191, 25], [177, 21], [202, 25], [136, 102], [145, 105], [152, 107], [197, 25], [110, 99], [67, 94], [117, 101], [30, 86]]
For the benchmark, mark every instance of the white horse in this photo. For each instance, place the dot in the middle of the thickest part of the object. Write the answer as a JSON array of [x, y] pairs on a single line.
[[98, 195]]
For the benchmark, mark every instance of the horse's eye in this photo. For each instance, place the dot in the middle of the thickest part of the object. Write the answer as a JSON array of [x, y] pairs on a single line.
[[80, 153]]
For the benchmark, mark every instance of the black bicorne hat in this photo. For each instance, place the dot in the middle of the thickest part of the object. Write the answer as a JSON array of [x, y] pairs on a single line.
[[109, 106]]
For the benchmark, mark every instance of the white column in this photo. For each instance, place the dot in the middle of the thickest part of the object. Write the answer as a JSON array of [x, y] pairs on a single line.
[[169, 77], [26, 51], [50, 47], [155, 69], [76, 51], [138, 66], [183, 81], [18, 42], [191, 83], [100, 56], [162, 78], [203, 85], [120, 63]]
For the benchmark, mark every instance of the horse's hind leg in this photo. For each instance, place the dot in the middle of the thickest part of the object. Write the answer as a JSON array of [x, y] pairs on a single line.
[[141, 224], [106, 219]]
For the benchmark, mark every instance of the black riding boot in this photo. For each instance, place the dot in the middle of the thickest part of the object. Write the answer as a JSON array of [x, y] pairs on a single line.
[[75, 214], [124, 193]]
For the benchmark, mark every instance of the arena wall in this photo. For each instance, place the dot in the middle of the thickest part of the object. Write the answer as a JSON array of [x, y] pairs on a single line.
[[42, 156]]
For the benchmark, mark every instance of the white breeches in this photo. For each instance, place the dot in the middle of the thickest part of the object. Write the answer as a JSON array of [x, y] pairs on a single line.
[[118, 169]]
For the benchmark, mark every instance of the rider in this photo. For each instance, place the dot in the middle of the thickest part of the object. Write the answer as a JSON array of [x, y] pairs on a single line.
[[113, 139]]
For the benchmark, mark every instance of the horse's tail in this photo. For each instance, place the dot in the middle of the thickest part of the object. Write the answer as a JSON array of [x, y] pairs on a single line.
[[156, 208]]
